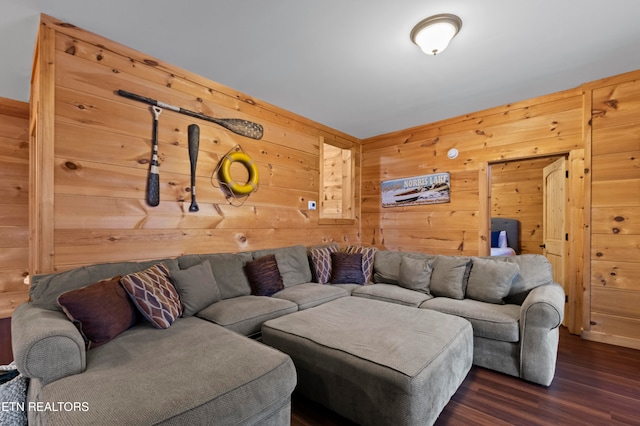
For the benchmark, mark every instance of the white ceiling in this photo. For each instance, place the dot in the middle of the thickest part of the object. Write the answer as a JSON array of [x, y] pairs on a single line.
[[349, 64]]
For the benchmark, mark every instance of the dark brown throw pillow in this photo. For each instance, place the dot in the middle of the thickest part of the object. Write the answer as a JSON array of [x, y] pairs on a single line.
[[264, 276], [101, 311], [346, 268]]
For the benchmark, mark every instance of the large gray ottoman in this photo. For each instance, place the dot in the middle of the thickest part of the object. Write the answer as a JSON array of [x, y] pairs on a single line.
[[375, 362]]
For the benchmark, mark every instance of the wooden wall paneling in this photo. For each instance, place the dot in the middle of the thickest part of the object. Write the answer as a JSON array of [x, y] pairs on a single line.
[[616, 220], [484, 209], [543, 126], [615, 202], [587, 125], [122, 65], [576, 253], [41, 174], [615, 274], [103, 148], [14, 208]]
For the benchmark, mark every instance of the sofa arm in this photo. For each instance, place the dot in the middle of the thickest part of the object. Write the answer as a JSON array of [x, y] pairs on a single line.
[[540, 316], [46, 345]]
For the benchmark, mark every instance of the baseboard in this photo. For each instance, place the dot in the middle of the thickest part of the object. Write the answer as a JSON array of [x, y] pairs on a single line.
[[610, 339]]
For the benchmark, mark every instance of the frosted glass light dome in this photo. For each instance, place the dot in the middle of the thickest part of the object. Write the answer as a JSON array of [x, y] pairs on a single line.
[[434, 34]]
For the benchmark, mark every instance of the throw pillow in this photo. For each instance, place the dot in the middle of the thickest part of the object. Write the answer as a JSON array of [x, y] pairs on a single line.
[[321, 262], [415, 274], [449, 278], [101, 311], [154, 295], [346, 268], [368, 257], [264, 276], [490, 280], [197, 288]]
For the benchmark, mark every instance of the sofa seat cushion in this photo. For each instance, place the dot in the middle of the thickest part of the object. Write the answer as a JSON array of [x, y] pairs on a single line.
[[245, 314], [194, 372], [497, 322], [391, 293], [311, 294], [348, 287]]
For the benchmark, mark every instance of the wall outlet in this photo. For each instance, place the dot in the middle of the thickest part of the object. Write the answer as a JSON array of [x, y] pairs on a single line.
[[312, 205]]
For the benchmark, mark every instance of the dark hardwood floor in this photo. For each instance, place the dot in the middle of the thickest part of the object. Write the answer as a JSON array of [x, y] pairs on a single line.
[[595, 384]]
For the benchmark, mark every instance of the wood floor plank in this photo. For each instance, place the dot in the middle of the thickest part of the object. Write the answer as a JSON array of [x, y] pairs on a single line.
[[595, 384]]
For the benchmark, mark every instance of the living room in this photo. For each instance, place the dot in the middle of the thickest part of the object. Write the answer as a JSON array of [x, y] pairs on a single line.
[[86, 202]]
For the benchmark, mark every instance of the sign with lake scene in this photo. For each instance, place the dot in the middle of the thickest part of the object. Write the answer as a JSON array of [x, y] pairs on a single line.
[[426, 189]]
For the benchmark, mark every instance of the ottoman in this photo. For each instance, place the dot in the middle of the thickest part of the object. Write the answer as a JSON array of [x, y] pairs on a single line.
[[375, 362]]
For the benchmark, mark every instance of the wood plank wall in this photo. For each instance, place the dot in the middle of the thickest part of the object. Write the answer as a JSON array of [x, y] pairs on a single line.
[[541, 127], [101, 148], [525, 131], [615, 211], [14, 204], [604, 185], [516, 193]]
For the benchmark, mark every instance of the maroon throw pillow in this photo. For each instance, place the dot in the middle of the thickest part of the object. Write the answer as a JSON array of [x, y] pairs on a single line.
[[346, 268], [101, 311], [264, 276]]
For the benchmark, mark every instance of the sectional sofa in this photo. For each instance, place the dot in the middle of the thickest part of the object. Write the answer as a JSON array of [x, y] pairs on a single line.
[[101, 344]]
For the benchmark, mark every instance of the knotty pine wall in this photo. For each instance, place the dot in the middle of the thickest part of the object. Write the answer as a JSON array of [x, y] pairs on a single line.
[[542, 127], [597, 125], [14, 204], [517, 193], [94, 149], [615, 210]]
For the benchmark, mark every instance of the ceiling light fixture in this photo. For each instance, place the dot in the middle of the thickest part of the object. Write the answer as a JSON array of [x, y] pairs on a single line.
[[433, 34]]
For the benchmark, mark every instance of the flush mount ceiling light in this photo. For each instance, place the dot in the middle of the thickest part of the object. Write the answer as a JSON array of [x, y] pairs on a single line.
[[433, 34]]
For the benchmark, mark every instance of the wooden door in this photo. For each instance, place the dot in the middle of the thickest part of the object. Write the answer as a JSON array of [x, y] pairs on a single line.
[[554, 220]]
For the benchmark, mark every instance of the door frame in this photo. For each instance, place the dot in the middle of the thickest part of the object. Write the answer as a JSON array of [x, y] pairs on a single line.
[[575, 212]]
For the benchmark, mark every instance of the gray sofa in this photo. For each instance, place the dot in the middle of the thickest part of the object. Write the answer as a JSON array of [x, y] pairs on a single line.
[[204, 370], [513, 304]]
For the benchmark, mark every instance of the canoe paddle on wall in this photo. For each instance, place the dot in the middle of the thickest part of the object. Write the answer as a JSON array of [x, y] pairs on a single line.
[[236, 125], [153, 187], [193, 132]]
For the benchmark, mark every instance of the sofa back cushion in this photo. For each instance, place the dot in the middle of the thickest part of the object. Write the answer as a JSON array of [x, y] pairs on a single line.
[[535, 270], [415, 274], [228, 271], [490, 280], [46, 288], [386, 264], [450, 275], [293, 264], [197, 287]]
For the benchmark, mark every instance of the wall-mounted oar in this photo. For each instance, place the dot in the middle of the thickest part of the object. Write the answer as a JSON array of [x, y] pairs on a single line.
[[193, 132], [236, 125], [153, 186]]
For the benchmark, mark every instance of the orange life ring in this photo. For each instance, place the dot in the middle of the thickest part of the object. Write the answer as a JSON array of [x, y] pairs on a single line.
[[225, 173]]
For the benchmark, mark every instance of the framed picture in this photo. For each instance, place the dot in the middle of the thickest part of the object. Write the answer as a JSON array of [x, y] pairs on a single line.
[[425, 189]]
